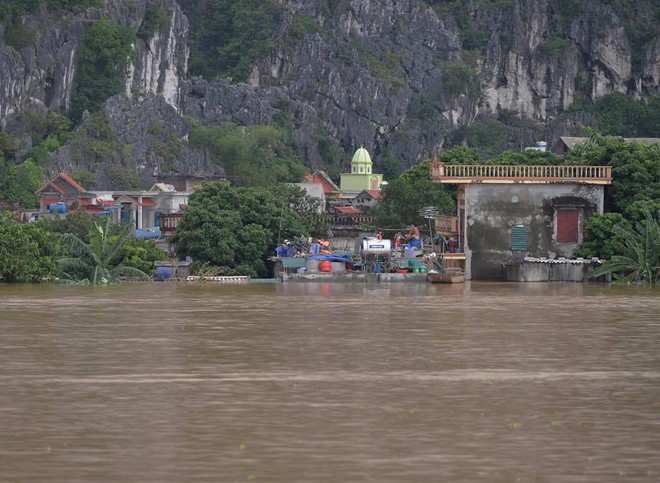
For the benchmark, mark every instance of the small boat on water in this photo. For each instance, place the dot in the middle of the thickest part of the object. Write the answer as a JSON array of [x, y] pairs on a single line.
[[448, 275], [439, 273]]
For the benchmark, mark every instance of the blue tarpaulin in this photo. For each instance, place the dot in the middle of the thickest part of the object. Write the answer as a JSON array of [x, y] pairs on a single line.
[[148, 234], [332, 258]]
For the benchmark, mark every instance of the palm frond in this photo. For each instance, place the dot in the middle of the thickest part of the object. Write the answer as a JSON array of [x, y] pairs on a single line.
[[639, 253], [126, 271]]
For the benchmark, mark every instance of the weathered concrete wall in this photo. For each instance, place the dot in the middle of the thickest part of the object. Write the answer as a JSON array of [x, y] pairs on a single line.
[[543, 270], [493, 209]]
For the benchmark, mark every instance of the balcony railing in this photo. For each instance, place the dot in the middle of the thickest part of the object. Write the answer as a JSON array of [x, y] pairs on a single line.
[[169, 222], [482, 173]]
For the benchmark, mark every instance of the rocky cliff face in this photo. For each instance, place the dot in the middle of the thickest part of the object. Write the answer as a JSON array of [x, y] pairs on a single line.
[[397, 76], [40, 76]]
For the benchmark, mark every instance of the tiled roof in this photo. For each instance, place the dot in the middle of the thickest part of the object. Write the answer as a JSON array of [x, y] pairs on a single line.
[[71, 181], [57, 183], [377, 194], [347, 210], [322, 178]]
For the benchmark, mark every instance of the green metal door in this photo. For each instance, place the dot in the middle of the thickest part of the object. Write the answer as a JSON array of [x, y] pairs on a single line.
[[519, 238]]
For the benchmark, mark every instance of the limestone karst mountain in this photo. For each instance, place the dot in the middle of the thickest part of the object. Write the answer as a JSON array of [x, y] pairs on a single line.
[[401, 77]]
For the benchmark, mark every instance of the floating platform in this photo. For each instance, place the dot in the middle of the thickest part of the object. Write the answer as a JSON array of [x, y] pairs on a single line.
[[355, 277]]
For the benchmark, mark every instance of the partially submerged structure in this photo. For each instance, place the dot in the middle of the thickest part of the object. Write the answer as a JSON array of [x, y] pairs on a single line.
[[510, 215]]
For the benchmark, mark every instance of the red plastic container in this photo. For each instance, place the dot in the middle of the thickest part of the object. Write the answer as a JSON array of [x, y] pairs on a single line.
[[325, 266]]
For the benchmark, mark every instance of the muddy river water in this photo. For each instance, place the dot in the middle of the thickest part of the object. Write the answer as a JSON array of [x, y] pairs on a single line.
[[339, 382]]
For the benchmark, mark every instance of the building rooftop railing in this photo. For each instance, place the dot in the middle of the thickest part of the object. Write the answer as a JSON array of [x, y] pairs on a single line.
[[483, 173]]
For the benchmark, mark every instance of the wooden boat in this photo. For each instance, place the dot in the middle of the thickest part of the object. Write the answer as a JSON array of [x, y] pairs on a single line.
[[446, 276]]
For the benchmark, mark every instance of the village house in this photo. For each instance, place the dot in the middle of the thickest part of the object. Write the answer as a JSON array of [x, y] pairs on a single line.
[[318, 177], [509, 216], [314, 190], [159, 207]]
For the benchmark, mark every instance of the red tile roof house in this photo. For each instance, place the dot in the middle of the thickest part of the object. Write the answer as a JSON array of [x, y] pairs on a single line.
[[142, 208], [63, 189], [330, 189]]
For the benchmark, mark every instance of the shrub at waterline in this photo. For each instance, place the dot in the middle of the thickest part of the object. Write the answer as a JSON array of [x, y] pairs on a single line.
[[27, 251], [638, 253], [136, 253]]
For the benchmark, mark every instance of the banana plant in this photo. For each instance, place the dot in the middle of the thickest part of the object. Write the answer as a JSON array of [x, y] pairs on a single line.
[[638, 253], [99, 262]]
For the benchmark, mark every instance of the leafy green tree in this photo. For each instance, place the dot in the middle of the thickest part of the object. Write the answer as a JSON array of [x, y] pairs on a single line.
[[622, 115], [637, 210], [404, 196], [99, 262], [461, 155], [78, 223], [142, 254], [601, 239], [635, 169], [237, 228], [18, 182], [7, 146], [650, 122], [637, 251], [27, 251]]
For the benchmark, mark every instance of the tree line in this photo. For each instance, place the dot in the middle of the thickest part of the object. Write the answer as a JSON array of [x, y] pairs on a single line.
[[233, 230]]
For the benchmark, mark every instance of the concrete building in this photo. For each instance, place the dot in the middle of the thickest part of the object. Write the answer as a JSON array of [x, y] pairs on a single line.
[[508, 213]]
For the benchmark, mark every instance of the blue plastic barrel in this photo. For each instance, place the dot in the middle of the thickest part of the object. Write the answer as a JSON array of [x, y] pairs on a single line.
[[57, 208]]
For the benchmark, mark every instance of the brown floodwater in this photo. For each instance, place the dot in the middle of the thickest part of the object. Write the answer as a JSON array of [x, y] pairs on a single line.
[[315, 382]]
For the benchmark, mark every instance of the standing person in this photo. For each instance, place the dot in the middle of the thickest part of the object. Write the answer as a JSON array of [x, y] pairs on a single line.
[[413, 236], [398, 240]]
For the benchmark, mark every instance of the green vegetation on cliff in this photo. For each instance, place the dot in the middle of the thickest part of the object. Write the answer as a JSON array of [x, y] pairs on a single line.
[[254, 155], [102, 62], [9, 8], [227, 35]]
